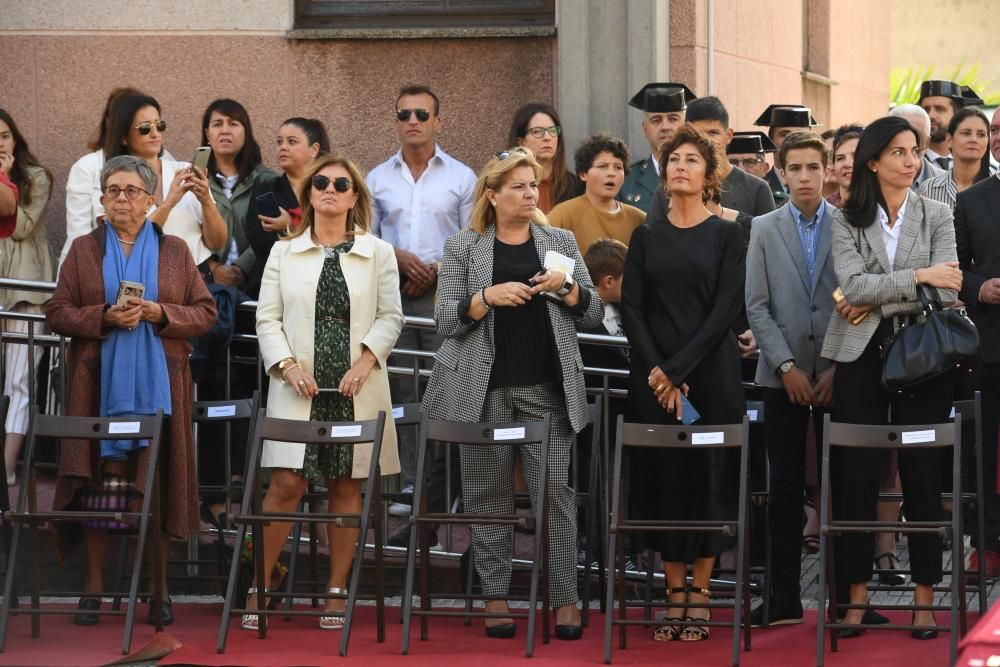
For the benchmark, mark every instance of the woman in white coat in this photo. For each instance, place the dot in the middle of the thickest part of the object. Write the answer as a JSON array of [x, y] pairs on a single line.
[[328, 315]]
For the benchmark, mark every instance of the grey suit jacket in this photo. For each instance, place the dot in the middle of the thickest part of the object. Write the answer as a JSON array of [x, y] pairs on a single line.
[[458, 385], [867, 278], [788, 313]]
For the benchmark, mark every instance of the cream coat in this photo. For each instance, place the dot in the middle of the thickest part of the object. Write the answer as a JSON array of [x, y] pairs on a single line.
[[286, 324]]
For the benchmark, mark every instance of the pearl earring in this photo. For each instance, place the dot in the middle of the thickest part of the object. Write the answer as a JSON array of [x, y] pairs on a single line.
[[494, 203]]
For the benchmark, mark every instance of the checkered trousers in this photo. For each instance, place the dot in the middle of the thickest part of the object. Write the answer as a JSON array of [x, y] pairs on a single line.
[[488, 488]]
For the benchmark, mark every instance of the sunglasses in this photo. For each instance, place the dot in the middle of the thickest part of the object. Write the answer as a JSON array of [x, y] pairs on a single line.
[[423, 115], [503, 155], [340, 184], [147, 127], [131, 192], [539, 132]]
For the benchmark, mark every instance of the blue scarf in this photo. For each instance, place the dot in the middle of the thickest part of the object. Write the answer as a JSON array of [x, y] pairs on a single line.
[[134, 379]]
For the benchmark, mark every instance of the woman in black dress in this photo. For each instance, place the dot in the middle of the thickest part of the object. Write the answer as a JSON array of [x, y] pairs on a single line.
[[683, 283]]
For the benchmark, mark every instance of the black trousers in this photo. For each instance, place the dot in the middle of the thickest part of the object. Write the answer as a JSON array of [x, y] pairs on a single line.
[[987, 381], [858, 398], [785, 427]]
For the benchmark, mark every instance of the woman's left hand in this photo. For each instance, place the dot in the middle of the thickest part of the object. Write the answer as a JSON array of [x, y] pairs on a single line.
[[281, 224], [549, 280], [355, 377], [151, 311]]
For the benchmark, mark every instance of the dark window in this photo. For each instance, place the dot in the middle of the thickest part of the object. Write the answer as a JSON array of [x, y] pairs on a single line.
[[367, 14]]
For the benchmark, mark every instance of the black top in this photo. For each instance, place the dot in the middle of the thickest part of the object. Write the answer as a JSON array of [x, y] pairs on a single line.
[[522, 335], [681, 289], [260, 239]]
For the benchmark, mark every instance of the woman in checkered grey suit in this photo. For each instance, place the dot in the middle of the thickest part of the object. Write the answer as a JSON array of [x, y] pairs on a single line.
[[887, 242], [510, 354]]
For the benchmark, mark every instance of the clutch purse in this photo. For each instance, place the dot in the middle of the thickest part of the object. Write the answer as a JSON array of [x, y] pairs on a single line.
[[941, 350]]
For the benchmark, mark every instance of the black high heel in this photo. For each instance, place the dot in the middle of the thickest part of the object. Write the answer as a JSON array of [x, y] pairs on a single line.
[[925, 633]]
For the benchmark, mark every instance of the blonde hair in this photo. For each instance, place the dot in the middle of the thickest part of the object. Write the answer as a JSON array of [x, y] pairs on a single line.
[[493, 177], [359, 218]]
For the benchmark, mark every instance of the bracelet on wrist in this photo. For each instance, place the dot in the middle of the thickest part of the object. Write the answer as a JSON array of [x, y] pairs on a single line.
[[482, 299]]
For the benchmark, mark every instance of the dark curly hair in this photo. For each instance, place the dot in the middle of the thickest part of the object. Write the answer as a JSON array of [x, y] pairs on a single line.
[[689, 134], [584, 157]]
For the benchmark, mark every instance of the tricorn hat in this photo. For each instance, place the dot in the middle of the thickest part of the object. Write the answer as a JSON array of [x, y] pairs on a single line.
[[662, 97], [750, 142], [786, 115], [939, 88]]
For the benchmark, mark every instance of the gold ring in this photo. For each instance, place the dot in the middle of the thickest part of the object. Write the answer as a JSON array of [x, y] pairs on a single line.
[[660, 387]]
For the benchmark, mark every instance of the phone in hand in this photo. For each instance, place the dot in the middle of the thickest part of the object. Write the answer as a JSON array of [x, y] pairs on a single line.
[[267, 205], [688, 414], [129, 290], [201, 156]]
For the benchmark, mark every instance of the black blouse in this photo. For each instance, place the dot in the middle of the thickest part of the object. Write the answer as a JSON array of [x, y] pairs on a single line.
[[522, 335]]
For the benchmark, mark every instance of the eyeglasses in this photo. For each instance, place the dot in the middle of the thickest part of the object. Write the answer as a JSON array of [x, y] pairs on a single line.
[[131, 192], [147, 127], [404, 115], [746, 162], [539, 132], [340, 184], [518, 150]]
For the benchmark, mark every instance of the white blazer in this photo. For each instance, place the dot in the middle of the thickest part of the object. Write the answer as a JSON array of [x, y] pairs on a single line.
[[286, 324]]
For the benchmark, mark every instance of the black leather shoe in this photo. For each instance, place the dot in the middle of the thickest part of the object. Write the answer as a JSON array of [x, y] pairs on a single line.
[[923, 633], [849, 633], [569, 632], [502, 631], [872, 617], [780, 613], [90, 604], [167, 613]]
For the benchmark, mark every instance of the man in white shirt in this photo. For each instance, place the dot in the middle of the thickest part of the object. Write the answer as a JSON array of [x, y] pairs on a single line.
[[420, 197]]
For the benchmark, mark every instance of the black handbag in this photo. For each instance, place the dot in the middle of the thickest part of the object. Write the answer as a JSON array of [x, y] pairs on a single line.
[[941, 350]]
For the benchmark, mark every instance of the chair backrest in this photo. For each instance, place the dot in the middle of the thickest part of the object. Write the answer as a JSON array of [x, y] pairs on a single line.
[[485, 433], [321, 433], [137, 427], [893, 436], [755, 412], [407, 414], [680, 436], [237, 409]]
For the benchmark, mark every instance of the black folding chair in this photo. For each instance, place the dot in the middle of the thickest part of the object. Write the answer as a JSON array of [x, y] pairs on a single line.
[[448, 433], [590, 501], [335, 434], [925, 436], [30, 517], [970, 413], [681, 437]]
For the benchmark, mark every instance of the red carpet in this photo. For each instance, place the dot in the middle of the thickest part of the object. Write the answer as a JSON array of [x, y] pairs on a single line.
[[300, 643]]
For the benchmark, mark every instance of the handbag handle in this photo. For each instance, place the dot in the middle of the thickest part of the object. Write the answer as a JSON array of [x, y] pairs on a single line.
[[928, 303]]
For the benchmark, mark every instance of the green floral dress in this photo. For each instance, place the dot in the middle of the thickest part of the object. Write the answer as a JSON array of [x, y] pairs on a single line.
[[332, 361]]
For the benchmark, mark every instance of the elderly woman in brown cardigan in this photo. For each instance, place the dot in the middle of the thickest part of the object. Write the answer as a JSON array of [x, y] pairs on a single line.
[[141, 345]]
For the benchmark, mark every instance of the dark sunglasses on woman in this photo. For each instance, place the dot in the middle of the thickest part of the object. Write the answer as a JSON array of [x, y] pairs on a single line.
[[147, 127], [404, 115], [340, 184]]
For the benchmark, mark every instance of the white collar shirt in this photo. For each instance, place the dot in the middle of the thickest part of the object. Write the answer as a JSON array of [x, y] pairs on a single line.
[[418, 216], [890, 236], [656, 164], [613, 320]]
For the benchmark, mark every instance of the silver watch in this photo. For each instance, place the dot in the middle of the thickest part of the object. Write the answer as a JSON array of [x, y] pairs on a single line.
[[787, 366], [567, 286]]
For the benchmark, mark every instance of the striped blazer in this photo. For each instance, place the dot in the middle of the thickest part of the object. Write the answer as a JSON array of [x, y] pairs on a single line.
[[867, 279], [462, 365]]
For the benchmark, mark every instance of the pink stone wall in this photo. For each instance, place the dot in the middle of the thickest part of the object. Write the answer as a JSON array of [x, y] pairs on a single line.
[[55, 88]]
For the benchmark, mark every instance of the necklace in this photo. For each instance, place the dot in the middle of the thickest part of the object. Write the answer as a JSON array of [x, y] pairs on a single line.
[[121, 240]]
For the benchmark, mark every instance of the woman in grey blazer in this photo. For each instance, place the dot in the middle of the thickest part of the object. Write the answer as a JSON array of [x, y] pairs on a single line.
[[510, 354], [887, 241]]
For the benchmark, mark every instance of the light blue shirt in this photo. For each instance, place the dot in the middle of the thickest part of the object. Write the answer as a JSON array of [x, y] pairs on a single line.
[[809, 234]]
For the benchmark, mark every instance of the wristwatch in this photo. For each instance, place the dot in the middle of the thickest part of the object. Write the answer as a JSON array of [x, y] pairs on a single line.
[[787, 366], [567, 286]]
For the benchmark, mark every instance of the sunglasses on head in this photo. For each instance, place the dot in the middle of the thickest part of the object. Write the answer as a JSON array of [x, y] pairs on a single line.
[[147, 127], [423, 115], [340, 184], [503, 155]]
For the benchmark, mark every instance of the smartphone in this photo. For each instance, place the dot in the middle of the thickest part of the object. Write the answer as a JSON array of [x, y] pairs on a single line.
[[267, 205], [129, 290], [201, 156], [688, 414], [838, 296]]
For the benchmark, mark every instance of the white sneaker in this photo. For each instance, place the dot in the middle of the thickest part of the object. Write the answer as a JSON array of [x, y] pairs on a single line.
[[402, 509]]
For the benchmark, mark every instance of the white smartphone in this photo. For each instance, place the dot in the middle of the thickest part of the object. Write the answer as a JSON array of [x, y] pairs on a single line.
[[201, 156]]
